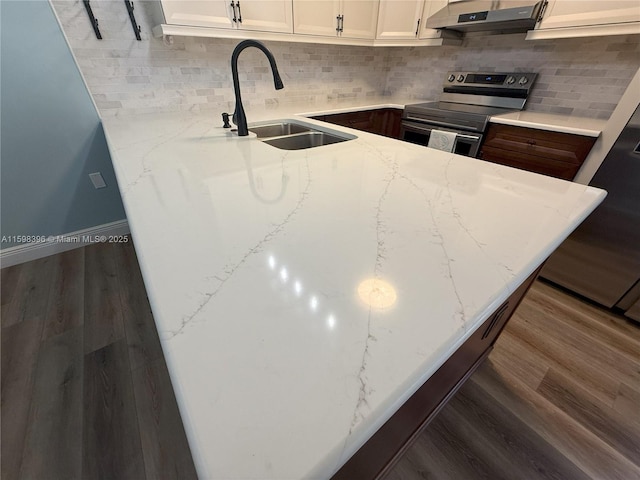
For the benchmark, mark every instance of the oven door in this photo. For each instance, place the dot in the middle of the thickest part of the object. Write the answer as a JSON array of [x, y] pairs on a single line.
[[466, 143]]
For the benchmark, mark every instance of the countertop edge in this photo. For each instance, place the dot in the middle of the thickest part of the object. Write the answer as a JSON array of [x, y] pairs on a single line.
[[504, 119], [586, 132], [363, 108]]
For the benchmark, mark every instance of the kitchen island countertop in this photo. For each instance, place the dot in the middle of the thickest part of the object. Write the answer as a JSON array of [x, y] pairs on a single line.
[[254, 260]]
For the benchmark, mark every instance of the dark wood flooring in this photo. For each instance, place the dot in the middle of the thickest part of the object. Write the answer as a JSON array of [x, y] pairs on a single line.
[[86, 394], [85, 389]]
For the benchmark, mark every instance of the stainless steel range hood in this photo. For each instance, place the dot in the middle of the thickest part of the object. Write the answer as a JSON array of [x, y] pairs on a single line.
[[496, 16]]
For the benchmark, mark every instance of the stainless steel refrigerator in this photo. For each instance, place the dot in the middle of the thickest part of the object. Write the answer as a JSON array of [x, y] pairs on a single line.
[[601, 259]]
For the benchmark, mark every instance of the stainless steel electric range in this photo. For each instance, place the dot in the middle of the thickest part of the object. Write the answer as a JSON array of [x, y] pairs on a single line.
[[467, 102]]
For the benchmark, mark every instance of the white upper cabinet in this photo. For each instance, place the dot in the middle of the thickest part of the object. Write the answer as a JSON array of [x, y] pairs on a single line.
[[265, 15], [256, 15], [376, 22], [399, 19], [572, 18], [198, 13], [431, 7], [316, 17], [359, 18], [406, 19], [331, 18]]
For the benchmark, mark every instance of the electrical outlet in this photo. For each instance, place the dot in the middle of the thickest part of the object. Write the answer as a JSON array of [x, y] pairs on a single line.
[[97, 180]]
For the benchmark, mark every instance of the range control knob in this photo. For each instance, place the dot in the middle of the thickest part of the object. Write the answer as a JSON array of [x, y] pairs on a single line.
[[460, 78], [523, 80], [451, 77], [511, 80]]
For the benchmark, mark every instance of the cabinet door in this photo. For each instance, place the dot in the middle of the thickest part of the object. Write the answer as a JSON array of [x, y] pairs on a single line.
[[266, 15], [431, 7], [571, 13], [398, 19], [316, 17], [198, 13], [393, 122], [530, 163], [359, 18]]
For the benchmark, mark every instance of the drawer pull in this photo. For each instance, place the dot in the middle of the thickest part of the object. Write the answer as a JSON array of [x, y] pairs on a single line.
[[496, 318]]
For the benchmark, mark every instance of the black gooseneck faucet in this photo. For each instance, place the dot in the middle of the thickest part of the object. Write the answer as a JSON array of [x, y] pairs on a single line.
[[239, 117]]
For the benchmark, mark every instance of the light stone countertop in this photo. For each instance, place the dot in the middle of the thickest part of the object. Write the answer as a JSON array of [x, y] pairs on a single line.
[[252, 258], [588, 127]]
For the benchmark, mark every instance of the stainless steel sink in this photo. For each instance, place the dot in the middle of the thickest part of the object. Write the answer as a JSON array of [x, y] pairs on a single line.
[[305, 140], [278, 129], [291, 135]]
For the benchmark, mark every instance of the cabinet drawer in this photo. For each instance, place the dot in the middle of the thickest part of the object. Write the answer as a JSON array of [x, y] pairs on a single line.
[[531, 163], [550, 153], [562, 147]]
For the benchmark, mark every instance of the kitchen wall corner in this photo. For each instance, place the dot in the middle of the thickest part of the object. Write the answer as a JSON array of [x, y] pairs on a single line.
[[617, 122], [52, 137]]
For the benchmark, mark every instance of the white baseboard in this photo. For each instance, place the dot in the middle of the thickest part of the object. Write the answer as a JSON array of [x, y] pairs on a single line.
[[61, 243]]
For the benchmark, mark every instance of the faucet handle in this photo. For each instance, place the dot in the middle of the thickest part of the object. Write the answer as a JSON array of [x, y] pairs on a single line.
[[225, 119]]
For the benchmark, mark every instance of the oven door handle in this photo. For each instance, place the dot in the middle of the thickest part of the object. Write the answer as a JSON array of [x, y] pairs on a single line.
[[440, 124], [475, 138], [464, 144], [424, 128]]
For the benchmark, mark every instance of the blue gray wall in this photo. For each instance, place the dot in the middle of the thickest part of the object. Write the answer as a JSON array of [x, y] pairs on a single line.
[[51, 137]]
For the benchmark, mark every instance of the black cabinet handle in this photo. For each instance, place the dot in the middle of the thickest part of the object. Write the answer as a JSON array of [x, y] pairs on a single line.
[[418, 28], [92, 19], [134, 24], [496, 318], [338, 24], [233, 7], [239, 12]]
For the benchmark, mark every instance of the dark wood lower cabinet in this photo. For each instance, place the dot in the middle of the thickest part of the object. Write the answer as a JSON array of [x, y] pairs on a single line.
[[550, 153], [382, 121], [377, 457]]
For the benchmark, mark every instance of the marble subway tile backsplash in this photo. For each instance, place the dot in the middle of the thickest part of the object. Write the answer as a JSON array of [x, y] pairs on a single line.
[[577, 76], [583, 76], [129, 76]]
